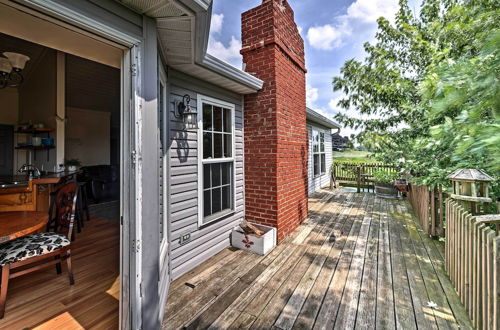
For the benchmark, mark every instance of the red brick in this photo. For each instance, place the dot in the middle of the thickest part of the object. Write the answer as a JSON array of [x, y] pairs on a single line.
[[275, 118]]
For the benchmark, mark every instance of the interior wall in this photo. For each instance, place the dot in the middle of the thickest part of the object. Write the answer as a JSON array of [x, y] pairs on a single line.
[[88, 136], [96, 87], [37, 104], [9, 98]]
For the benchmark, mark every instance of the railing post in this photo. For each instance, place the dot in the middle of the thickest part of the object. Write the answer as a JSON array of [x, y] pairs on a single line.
[[358, 170]]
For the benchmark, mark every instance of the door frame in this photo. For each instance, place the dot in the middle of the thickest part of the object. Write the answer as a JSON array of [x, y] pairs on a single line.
[[132, 104]]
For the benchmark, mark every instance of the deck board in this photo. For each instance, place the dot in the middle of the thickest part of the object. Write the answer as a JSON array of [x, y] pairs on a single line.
[[358, 262]]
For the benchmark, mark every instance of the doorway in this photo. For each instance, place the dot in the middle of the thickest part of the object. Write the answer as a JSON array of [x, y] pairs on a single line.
[[62, 95]]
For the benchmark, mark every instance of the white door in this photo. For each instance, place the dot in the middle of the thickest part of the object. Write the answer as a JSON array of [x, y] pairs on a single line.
[[164, 276]]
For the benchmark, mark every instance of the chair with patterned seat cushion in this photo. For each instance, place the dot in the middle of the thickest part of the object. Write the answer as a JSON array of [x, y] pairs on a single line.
[[38, 251]]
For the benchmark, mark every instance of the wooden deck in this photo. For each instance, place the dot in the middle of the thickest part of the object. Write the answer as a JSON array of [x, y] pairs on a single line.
[[45, 300], [358, 262]]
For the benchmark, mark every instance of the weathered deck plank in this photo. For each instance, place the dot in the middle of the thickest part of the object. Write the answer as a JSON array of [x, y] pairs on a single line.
[[359, 262], [368, 293], [385, 318]]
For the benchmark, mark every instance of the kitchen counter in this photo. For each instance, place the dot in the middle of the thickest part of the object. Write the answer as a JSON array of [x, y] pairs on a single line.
[[13, 181], [22, 180], [53, 178], [19, 193]]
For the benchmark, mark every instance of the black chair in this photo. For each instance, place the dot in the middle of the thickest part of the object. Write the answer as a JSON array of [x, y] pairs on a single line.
[[34, 252], [102, 182]]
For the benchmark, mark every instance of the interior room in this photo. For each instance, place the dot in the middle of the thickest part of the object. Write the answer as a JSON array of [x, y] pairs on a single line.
[[60, 126]]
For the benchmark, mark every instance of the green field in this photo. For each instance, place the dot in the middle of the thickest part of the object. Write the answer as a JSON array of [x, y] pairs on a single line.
[[353, 156]]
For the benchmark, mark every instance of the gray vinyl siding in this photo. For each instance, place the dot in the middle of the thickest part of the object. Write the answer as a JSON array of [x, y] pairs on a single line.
[[318, 182], [206, 240]]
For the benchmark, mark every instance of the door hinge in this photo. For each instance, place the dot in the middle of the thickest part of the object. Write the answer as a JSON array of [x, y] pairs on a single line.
[[134, 157], [133, 69], [140, 289], [121, 219], [136, 245]]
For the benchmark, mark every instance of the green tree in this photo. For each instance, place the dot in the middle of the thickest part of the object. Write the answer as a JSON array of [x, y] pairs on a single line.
[[428, 90]]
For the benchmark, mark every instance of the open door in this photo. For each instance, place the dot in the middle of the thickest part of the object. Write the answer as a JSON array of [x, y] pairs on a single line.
[[164, 275]]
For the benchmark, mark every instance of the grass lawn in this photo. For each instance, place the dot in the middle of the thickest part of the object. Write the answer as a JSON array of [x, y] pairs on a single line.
[[353, 156]]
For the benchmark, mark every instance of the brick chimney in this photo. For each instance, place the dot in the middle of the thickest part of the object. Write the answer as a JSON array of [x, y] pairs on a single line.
[[276, 142]]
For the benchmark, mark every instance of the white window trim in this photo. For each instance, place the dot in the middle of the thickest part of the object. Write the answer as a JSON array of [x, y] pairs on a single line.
[[206, 99], [319, 131]]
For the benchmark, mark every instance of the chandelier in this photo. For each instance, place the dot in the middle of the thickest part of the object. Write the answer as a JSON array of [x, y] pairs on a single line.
[[10, 69]]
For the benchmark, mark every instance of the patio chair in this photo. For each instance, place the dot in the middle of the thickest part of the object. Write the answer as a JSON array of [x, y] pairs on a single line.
[[38, 251]]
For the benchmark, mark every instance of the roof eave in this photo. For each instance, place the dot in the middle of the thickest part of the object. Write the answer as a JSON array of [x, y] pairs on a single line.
[[317, 118], [227, 70]]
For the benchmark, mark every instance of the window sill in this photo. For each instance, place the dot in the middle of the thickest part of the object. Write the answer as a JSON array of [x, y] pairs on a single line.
[[216, 216]]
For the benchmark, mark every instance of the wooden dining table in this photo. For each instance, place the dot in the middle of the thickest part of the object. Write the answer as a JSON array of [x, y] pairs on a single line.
[[22, 223]]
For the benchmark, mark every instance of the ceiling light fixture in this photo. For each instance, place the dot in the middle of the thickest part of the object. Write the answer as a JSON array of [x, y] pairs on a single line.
[[10, 69]]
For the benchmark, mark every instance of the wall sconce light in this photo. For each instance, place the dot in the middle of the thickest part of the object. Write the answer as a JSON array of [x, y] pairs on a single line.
[[10, 69], [183, 111]]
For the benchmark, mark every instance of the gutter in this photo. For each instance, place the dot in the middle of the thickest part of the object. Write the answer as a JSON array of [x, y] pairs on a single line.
[[320, 119], [220, 67], [203, 13]]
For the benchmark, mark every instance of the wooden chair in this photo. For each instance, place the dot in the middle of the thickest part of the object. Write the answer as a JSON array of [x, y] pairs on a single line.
[[34, 252]]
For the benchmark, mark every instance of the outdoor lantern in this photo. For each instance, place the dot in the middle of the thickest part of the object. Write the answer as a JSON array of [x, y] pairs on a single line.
[[184, 112], [471, 185], [10, 69]]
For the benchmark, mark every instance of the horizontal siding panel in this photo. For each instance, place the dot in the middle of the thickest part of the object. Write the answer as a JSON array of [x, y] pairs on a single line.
[[182, 179], [184, 205], [181, 170], [174, 161], [198, 259], [183, 188], [183, 153], [181, 135], [207, 240], [184, 144], [190, 194], [208, 233], [176, 216], [180, 227]]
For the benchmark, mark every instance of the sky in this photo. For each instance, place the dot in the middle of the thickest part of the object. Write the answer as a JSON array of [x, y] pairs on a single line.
[[333, 31]]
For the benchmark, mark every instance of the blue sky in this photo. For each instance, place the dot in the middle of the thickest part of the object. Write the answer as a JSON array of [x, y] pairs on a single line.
[[333, 32]]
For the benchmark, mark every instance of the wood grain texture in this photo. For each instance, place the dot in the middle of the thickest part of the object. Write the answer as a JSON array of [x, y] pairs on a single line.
[[358, 261], [17, 224], [44, 300]]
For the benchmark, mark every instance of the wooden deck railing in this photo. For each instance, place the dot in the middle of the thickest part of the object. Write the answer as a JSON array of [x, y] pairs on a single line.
[[473, 264], [428, 205], [356, 175]]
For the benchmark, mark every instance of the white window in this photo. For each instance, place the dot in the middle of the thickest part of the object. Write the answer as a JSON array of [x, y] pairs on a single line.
[[319, 156], [216, 159]]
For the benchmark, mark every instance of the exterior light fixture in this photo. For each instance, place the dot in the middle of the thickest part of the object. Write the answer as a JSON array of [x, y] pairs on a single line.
[[10, 69], [184, 112]]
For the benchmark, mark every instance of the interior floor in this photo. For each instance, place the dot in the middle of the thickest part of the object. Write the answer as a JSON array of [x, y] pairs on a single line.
[[45, 300]]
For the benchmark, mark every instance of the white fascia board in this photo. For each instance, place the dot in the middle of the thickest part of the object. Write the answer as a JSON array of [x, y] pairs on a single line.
[[203, 10], [227, 70], [318, 118]]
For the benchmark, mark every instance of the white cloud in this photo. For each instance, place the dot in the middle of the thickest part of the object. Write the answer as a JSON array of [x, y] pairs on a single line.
[[333, 103], [360, 19], [299, 28], [230, 53], [326, 37], [216, 23], [368, 11], [312, 95]]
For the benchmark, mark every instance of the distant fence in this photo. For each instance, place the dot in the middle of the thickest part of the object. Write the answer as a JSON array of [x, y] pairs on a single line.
[[473, 264], [429, 206], [355, 175]]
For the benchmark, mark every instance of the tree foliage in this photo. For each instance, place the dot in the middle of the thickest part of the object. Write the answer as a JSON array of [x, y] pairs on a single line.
[[428, 89]]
